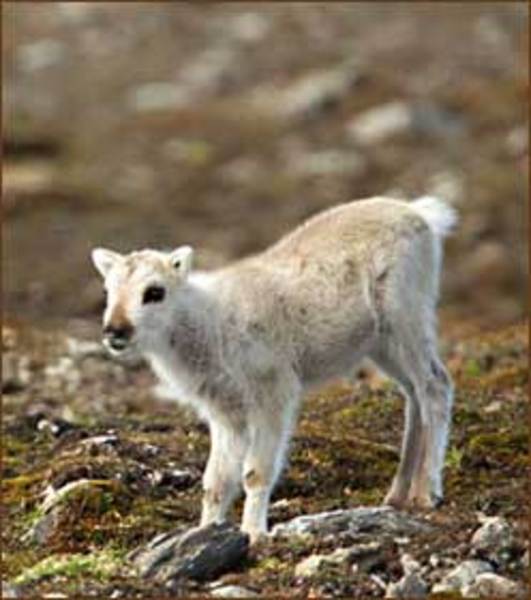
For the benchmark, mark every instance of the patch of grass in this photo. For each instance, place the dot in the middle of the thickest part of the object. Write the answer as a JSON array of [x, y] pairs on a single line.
[[100, 565]]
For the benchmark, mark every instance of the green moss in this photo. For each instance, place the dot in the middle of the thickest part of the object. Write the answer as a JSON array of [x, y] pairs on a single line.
[[100, 565], [504, 444], [473, 368]]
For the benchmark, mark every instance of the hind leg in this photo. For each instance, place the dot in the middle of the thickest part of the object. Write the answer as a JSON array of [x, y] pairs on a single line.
[[414, 364], [411, 440], [436, 394]]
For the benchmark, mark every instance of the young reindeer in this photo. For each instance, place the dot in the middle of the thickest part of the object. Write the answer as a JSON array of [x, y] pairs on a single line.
[[242, 344]]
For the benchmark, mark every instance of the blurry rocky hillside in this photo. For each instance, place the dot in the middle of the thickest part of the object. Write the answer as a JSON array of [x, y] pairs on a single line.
[[224, 125]]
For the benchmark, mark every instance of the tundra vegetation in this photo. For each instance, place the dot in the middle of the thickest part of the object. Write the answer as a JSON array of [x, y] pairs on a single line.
[[88, 419], [403, 102]]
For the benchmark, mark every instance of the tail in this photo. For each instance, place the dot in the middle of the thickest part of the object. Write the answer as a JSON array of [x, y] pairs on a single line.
[[440, 217]]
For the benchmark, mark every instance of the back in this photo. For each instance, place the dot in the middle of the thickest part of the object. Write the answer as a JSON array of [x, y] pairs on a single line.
[[311, 293]]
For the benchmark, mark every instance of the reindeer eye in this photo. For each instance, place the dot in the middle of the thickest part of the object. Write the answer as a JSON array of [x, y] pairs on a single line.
[[153, 293]]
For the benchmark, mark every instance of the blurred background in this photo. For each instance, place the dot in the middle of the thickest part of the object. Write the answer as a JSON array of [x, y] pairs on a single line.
[[224, 125]]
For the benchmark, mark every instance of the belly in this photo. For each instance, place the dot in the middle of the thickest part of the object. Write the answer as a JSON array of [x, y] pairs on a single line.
[[322, 359]]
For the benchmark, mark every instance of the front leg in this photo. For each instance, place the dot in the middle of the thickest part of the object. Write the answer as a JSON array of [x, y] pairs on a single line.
[[269, 437], [221, 480]]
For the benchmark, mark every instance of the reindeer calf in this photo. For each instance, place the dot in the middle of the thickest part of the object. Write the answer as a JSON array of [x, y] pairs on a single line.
[[242, 344]]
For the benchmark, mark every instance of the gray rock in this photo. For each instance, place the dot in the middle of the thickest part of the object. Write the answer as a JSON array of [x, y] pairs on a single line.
[[309, 95], [40, 54], [311, 565], [55, 497], [53, 505], [158, 95], [15, 372], [198, 78], [327, 162], [463, 575], [525, 559], [517, 141], [490, 585], [63, 374], [380, 123], [233, 591], [83, 348], [43, 528], [410, 586], [202, 553], [363, 556], [376, 520], [250, 27], [409, 564], [429, 119], [174, 478], [10, 591], [493, 537]]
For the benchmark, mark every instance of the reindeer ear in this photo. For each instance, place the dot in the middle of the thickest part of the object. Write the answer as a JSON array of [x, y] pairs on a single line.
[[104, 260], [181, 259]]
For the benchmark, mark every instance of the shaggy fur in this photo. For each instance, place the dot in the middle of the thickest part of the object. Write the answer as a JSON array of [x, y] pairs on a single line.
[[242, 344]]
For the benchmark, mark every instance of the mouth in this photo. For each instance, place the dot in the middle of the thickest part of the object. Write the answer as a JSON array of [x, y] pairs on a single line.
[[116, 347]]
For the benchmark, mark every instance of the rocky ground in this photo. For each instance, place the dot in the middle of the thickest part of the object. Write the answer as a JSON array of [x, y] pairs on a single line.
[[94, 468], [223, 126]]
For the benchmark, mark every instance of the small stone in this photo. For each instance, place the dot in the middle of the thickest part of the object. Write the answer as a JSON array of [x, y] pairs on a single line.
[[40, 54], [9, 338], [43, 529], [54, 497], [63, 373], [82, 349], [10, 591], [490, 585], [380, 123], [15, 373], [409, 564], [402, 541], [233, 591], [525, 559], [410, 586], [434, 561], [310, 566], [492, 538], [376, 520], [309, 95], [202, 553], [158, 95], [464, 574], [493, 407], [56, 426], [327, 162], [108, 441], [172, 478], [363, 556], [517, 141], [250, 27]]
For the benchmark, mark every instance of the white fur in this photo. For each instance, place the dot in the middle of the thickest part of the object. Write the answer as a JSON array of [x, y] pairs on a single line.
[[439, 216], [243, 344]]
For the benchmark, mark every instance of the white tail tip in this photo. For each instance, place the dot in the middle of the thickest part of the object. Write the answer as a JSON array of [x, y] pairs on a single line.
[[441, 217]]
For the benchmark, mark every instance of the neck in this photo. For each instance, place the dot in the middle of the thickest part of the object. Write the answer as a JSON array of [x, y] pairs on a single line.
[[191, 338]]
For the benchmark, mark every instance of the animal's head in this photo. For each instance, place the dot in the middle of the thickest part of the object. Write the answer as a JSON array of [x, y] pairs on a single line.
[[140, 288]]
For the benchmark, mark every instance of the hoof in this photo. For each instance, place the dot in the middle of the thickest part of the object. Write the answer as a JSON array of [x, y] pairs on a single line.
[[425, 501], [256, 537], [395, 499]]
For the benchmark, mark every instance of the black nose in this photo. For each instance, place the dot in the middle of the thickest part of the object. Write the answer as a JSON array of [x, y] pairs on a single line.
[[117, 336]]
